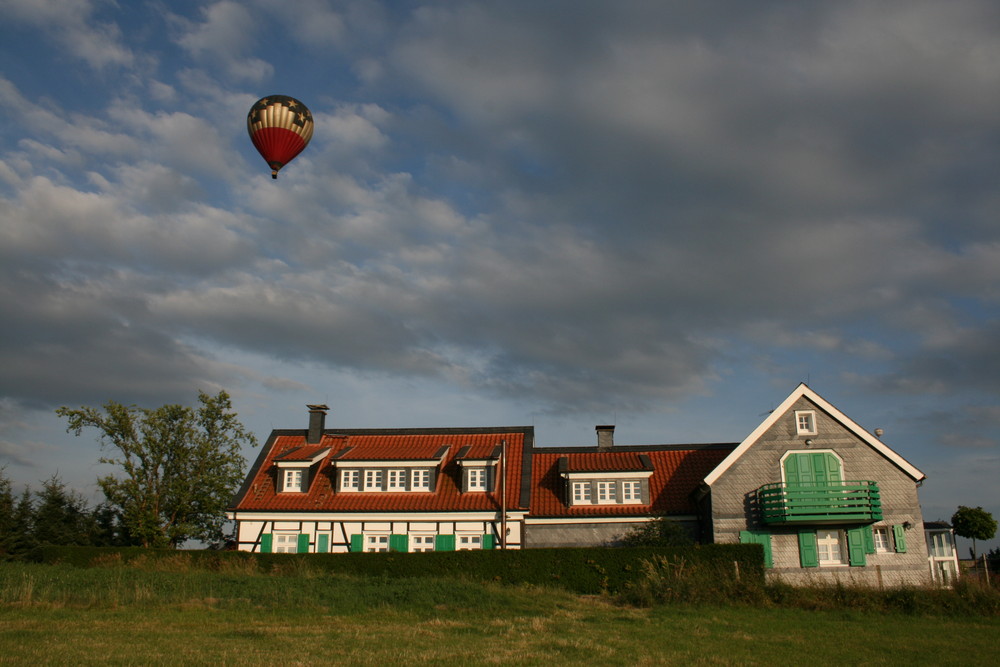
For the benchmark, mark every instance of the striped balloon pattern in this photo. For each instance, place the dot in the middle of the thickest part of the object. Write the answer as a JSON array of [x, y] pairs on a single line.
[[280, 127]]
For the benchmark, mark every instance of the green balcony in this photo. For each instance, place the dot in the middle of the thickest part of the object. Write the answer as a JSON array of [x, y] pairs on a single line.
[[820, 502]]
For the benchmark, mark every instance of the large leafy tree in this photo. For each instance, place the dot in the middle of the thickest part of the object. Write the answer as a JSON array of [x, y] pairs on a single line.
[[178, 466], [974, 523]]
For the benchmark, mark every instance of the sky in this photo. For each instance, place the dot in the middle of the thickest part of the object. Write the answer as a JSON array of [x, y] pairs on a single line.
[[661, 215]]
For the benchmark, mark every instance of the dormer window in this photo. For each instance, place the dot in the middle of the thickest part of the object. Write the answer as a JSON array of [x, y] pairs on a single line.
[[475, 479], [293, 481], [296, 468], [420, 480], [397, 480], [607, 487], [350, 480], [805, 422], [373, 480]]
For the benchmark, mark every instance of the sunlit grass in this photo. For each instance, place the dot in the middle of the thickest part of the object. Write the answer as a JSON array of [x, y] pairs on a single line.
[[127, 615]]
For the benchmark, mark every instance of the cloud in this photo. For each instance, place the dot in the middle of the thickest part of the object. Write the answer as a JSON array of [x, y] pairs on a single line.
[[71, 25], [224, 40]]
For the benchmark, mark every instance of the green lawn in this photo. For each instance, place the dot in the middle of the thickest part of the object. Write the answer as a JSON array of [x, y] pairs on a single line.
[[64, 615]]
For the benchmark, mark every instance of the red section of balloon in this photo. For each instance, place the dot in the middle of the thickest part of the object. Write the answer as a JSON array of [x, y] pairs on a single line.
[[277, 145]]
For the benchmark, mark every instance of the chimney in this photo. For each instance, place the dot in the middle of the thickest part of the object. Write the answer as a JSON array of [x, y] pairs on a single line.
[[317, 422], [605, 436]]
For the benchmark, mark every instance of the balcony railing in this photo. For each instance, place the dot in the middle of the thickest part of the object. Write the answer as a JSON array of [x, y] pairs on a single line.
[[820, 502]]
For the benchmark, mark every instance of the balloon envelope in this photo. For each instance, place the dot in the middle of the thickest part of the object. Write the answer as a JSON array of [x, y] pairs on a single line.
[[280, 127]]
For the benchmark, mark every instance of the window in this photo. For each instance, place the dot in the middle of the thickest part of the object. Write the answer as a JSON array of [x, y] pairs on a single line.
[[606, 492], [940, 545], [420, 480], [470, 542], [805, 422], [286, 543], [376, 543], [293, 481], [476, 479], [581, 492], [350, 480], [397, 480], [830, 547], [632, 492], [373, 480], [420, 543], [881, 536]]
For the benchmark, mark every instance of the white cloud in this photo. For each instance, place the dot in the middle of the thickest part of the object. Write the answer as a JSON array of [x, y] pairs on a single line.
[[71, 24]]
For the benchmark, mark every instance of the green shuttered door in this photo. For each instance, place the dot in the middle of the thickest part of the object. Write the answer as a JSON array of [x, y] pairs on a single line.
[[357, 543], [303, 544], [323, 544], [444, 543], [762, 538], [266, 543], [399, 543]]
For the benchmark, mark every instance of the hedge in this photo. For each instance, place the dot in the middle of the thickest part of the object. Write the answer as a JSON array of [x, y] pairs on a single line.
[[581, 570]]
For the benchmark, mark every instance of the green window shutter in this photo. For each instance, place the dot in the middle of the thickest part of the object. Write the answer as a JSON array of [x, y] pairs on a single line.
[[303, 545], [763, 538], [808, 553], [357, 543], [444, 543], [869, 540], [323, 544], [900, 538], [856, 546], [487, 541], [399, 543], [266, 542]]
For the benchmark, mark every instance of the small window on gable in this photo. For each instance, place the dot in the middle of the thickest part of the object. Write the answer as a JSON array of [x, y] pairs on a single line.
[[805, 422], [292, 481]]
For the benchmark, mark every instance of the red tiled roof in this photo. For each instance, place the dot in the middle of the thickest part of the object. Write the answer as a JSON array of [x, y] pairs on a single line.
[[677, 472], [602, 461], [301, 453], [259, 492]]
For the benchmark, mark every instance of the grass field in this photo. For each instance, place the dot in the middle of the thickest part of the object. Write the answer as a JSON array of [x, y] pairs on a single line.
[[128, 615]]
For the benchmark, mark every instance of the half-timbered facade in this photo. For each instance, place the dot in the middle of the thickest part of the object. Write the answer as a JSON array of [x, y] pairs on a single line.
[[336, 490]]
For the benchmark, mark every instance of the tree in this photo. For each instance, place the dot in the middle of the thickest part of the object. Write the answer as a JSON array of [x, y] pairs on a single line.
[[660, 532], [179, 466], [974, 523], [61, 516]]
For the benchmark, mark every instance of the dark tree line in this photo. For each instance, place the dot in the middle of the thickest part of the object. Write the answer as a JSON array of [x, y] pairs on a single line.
[[53, 515]]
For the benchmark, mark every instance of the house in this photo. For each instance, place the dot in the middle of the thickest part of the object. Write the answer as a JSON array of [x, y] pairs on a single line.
[[594, 495], [942, 552], [320, 490], [825, 498]]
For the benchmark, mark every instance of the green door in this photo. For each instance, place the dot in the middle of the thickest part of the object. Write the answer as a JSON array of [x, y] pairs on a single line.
[[811, 469]]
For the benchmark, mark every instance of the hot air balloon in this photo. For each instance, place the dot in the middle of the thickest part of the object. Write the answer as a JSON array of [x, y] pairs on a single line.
[[280, 127]]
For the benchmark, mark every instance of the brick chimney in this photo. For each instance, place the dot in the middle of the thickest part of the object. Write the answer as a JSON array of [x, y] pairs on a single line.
[[317, 422], [605, 436]]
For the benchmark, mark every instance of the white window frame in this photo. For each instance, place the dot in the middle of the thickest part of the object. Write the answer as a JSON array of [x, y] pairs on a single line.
[[350, 480], [397, 478], [373, 480], [293, 480], [880, 534], [805, 422], [826, 540], [285, 543], [468, 541], [607, 492], [631, 492], [421, 542], [582, 493], [475, 479], [420, 479], [376, 542]]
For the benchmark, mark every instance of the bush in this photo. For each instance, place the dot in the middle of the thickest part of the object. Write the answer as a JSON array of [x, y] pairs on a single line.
[[585, 570]]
